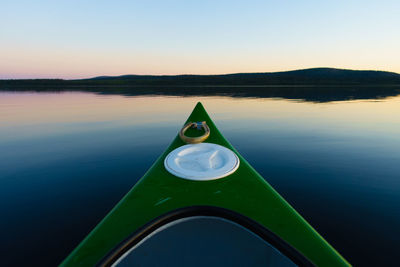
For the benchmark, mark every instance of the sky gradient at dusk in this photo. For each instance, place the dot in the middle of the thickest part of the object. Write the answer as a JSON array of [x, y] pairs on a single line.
[[72, 39]]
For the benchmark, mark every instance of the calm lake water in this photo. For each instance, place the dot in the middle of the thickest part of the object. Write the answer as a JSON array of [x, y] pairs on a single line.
[[67, 158]]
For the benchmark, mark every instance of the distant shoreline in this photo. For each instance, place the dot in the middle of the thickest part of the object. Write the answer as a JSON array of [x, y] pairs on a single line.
[[306, 77], [319, 84], [207, 86]]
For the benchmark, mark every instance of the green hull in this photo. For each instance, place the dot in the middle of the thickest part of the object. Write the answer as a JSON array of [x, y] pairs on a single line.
[[244, 192]]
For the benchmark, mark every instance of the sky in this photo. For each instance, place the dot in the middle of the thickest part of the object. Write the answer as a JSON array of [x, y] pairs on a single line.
[[80, 39]]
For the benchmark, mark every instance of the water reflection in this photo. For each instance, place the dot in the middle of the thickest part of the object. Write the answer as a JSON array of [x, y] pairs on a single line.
[[302, 92], [67, 158]]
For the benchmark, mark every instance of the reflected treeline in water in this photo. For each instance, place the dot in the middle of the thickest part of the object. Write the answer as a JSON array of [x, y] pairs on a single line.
[[314, 94], [301, 92]]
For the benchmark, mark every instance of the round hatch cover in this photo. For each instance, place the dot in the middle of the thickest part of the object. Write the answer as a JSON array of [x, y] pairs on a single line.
[[201, 162]]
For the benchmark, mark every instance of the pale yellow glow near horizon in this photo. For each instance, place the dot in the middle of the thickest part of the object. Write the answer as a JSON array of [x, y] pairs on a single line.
[[75, 63]]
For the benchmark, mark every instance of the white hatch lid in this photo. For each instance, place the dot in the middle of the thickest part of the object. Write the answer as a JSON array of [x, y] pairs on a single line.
[[201, 162]]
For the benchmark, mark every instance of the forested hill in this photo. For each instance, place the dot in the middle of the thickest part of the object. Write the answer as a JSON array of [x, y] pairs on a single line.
[[315, 76]]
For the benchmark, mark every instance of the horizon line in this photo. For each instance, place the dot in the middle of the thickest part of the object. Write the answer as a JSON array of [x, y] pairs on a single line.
[[193, 74]]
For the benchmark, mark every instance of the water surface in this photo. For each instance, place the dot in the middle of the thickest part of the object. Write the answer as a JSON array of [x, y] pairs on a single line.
[[67, 158]]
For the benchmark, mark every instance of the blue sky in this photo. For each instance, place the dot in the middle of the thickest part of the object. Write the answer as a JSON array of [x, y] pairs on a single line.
[[74, 39]]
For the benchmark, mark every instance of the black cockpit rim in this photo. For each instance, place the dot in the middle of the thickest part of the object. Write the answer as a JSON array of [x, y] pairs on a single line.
[[212, 211]]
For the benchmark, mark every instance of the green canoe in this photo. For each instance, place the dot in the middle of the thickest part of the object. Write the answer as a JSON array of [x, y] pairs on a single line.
[[240, 200]]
